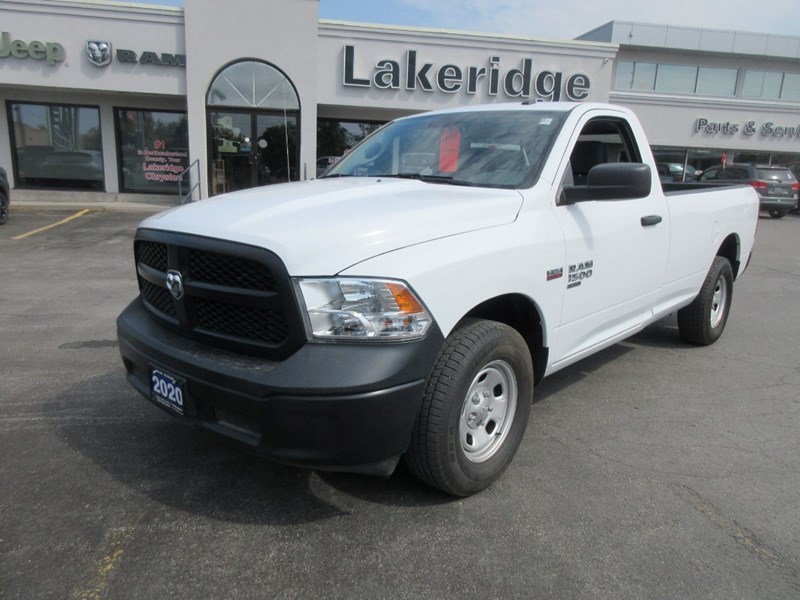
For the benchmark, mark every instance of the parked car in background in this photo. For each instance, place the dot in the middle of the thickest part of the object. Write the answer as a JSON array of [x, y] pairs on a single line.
[[5, 196], [795, 169], [777, 187]]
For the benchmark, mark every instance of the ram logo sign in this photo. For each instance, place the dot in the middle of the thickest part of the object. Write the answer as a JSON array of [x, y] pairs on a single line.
[[99, 53]]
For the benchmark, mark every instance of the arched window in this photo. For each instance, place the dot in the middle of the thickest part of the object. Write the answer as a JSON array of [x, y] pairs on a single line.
[[253, 84]]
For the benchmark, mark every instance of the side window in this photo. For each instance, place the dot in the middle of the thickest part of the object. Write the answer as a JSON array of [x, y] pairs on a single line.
[[710, 174], [601, 141]]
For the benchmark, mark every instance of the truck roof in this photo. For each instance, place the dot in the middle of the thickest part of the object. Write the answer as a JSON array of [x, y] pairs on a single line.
[[528, 105]]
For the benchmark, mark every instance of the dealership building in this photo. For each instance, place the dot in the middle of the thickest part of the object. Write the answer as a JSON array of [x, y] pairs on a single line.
[[120, 101]]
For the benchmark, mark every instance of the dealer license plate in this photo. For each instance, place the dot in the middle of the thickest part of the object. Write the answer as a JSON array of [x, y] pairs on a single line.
[[167, 390]]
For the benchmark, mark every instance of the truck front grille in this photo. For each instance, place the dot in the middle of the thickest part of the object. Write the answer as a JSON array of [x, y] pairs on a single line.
[[234, 296], [158, 298]]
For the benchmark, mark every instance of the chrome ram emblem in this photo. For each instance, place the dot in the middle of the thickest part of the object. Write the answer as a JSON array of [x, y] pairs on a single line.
[[175, 284]]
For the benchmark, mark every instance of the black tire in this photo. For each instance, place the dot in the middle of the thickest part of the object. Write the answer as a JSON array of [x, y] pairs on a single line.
[[3, 209], [778, 213], [703, 321], [462, 451]]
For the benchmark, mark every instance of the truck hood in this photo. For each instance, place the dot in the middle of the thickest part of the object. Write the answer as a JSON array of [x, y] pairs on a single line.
[[325, 226]]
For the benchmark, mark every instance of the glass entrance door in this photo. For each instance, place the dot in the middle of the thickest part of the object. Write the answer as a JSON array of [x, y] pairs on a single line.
[[251, 148], [277, 148]]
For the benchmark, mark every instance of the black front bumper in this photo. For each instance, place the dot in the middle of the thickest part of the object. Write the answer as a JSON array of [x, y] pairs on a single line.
[[337, 406]]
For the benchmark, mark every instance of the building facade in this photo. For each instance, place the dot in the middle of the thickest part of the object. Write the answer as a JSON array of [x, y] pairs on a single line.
[[108, 100]]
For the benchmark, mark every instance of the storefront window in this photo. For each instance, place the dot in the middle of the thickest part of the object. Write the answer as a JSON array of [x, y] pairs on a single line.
[[762, 84], [671, 164], [785, 158], [791, 87], [677, 79], [760, 158], [716, 82], [57, 146], [701, 159], [153, 150], [636, 76]]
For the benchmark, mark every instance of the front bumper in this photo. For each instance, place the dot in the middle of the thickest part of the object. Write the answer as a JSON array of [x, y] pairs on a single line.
[[336, 406]]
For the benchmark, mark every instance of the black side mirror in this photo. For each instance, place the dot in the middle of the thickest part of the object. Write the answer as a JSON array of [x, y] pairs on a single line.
[[611, 181]]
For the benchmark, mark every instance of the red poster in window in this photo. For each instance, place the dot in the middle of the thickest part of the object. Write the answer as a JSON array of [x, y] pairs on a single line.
[[448, 150]]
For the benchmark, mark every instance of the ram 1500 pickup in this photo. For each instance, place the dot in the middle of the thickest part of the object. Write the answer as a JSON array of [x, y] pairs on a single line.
[[405, 304]]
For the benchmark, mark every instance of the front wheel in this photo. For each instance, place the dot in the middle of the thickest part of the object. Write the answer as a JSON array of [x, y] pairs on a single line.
[[703, 321], [778, 213], [475, 409]]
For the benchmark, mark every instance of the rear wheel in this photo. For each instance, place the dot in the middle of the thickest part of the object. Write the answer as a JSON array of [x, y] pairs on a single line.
[[703, 321], [778, 213], [475, 409]]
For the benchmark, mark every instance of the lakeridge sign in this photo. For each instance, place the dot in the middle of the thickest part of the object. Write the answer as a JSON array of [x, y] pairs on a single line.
[[412, 74]]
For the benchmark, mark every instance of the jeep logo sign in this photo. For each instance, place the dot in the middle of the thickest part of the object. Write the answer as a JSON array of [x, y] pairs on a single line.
[[51, 52], [413, 74]]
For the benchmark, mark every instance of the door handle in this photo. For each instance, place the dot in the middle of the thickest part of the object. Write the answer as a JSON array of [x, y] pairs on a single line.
[[651, 220]]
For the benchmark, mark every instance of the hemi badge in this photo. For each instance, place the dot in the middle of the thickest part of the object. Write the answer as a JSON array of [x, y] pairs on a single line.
[[555, 274]]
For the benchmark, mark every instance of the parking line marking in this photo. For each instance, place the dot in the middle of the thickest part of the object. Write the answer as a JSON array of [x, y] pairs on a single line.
[[46, 227], [107, 565]]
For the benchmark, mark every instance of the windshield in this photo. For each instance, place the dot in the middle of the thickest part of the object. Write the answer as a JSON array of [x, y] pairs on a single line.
[[487, 149]]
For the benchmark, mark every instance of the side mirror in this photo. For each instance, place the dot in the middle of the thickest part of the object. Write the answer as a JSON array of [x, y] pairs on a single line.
[[611, 181]]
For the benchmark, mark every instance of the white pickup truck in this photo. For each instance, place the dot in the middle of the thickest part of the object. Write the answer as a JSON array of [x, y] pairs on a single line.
[[405, 304]]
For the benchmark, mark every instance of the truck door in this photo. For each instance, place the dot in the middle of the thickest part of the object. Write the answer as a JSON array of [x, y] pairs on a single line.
[[616, 250]]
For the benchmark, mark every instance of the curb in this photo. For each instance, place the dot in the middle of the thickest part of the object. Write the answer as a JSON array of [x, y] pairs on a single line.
[[34, 205]]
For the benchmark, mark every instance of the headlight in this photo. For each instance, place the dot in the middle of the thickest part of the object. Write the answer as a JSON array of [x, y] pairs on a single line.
[[372, 309]]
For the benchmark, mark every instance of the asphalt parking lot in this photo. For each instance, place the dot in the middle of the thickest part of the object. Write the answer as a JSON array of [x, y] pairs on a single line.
[[651, 470]]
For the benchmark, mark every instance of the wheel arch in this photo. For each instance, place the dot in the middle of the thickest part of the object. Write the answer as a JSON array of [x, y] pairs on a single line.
[[524, 315], [731, 249]]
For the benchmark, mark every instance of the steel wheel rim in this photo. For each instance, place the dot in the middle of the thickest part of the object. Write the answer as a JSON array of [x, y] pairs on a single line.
[[488, 411], [718, 302]]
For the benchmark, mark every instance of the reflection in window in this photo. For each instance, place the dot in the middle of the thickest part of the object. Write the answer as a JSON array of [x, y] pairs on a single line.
[[153, 150], [636, 76], [698, 160], [335, 138], [677, 79], [762, 84], [253, 84], [671, 164], [702, 158], [57, 146], [761, 158], [791, 87], [503, 149], [716, 82], [785, 158]]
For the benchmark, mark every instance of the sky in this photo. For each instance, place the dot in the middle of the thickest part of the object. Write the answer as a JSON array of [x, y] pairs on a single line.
[[561, 19]]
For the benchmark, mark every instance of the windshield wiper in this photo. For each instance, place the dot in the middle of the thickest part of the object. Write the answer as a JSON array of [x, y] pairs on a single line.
[[449, 179], [332, 175]]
